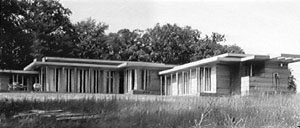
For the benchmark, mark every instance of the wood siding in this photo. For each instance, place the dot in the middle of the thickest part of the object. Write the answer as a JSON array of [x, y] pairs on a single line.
[[223, 79], [228, 79], [265, 80], [231, 77], [153, 82]]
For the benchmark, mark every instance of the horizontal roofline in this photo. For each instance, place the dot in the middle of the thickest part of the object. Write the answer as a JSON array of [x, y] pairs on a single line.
[[232, 57], [18, 71], [145, 64], [60, 61], [192, 64], [290, 55], [37, 63], [92, 60], [227, 57], [286, 58]]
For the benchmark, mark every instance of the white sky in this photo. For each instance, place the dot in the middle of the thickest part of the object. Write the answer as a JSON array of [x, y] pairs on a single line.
[[258, 26]]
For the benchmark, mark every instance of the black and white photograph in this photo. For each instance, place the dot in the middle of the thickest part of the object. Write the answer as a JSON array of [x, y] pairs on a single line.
[[150, 64]]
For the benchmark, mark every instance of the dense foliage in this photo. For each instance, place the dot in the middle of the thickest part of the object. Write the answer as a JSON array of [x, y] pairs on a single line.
[[33, 28], [36, 28]]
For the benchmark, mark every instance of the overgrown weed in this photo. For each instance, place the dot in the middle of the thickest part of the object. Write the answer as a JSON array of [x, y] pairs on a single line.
[[193, 112]]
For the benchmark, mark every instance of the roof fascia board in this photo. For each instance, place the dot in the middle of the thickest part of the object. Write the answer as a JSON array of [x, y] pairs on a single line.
[[290, 55], [248, 58], [261, 57], [192, 64], [288, 59], [255, 57], [80, 60], [296, 60], [229, 59], [128, 64], [121, 63], [136, 63], [19, 72], [30, 66], [207, 61], [75, 65], [280, 58], [237, 55]]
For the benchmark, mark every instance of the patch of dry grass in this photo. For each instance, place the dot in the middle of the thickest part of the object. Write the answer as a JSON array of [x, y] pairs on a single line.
[[182, 112]]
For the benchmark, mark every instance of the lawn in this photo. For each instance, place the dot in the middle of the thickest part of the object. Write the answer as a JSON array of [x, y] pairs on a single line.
[[124, 111]]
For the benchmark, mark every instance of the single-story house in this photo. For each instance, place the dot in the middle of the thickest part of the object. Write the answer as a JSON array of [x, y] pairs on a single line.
[[229, 74], [56, 74], [224, 74]]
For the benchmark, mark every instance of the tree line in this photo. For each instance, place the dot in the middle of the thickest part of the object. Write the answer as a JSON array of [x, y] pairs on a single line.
[[37, 28]]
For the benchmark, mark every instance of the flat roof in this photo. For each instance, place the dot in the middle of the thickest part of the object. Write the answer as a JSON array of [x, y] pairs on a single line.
[[286, 58], [95, 63], [114, 64], [232, 57], [18, 71], [37, 63]]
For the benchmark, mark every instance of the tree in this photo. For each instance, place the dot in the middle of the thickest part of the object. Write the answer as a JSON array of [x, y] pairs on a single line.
[[37, 28], [91, 39], [127, 45], [15, 40], [173, 44], [53, 33], [167, 43], [33, 28], [233, 49], [170, 43]]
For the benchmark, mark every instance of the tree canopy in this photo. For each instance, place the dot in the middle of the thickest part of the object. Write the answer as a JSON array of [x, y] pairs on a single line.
[[167, 43], [91, 39], [49, 25], [33, 28], [15, 40], [37, 28]]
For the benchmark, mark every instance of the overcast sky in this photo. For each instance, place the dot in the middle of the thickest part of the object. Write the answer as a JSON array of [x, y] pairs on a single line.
[[258, 26]]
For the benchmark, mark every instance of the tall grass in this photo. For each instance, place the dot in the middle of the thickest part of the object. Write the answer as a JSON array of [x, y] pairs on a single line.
[[181, 112]]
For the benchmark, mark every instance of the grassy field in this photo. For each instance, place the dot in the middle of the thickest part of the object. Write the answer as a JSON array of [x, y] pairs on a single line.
[[126, 111]]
